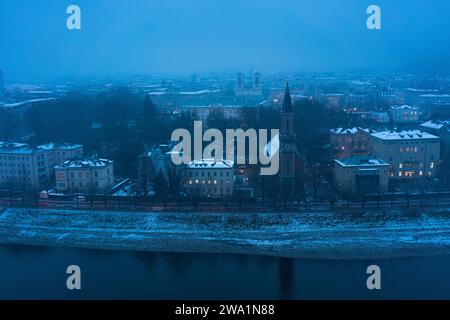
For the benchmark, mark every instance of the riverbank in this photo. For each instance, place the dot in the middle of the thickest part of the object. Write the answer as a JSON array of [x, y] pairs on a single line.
[[318, 235]]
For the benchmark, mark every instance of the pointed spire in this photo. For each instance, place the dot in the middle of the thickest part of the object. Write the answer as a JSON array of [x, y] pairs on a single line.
[[287, 101]]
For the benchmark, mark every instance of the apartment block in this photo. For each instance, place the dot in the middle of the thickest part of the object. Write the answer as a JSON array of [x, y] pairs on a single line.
[[411, 154], [209, 178], [30, 168]]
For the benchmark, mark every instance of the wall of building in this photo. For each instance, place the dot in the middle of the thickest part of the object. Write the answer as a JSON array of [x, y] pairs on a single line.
[[85, 180], [209, 182], [409, 158], [346, 177]]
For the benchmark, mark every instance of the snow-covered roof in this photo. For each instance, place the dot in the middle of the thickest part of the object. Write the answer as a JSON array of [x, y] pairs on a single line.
[[210, 164], [434, 96], [31, 101], [65, 146], [342, 131], [332, 94], [404, 107], [200, 92], [87, 163], [436, 124], [361, 161], [16, 148], [403, 135], [25, 148], [421, 90]]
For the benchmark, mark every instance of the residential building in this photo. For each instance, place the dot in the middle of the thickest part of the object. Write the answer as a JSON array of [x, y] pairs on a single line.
[[361, 175], [411, 154], [59, 153], [333, 100], [28, 168], [440, 128], [85, 176], [209, 178], [346, 143], [405, 114]]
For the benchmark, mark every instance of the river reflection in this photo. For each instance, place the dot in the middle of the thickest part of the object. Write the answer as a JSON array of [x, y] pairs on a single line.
[[31, 272]]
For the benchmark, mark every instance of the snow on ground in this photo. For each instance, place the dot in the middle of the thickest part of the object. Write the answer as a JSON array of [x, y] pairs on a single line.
[[312, 235]]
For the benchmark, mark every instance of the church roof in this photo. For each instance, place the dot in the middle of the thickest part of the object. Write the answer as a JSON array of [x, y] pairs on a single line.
[[287, 101]]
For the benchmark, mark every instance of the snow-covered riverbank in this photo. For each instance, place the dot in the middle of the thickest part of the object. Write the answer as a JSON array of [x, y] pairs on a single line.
[[326, 235]]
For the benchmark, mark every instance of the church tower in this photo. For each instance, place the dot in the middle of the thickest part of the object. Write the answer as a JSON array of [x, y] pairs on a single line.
[[288, 150]]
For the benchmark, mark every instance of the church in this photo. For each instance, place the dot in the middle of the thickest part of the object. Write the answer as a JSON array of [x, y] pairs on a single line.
[[288, 184]]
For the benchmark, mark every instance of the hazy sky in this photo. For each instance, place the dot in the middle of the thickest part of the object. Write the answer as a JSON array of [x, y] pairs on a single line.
[[185, 36]]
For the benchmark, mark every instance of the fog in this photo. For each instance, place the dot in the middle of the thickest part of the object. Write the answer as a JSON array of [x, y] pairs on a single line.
[[186, 36]]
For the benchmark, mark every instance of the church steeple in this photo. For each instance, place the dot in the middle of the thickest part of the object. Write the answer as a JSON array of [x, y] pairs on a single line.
[[287, 101]]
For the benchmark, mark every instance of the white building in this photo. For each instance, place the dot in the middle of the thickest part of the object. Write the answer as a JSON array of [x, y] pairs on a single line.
[[405, 114], [209, 178], [27, 168], [85, 176], [411, 154], [365, 175]]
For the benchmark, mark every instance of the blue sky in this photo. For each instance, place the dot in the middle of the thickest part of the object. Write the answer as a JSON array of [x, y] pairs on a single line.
[[186, 36]]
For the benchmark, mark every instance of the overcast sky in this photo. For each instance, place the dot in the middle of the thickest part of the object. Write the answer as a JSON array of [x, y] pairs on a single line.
[[186, 36]]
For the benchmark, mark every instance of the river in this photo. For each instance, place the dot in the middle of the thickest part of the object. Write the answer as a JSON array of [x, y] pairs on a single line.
[[39, 272]]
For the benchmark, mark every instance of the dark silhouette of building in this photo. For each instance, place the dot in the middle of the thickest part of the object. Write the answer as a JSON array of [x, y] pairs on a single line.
[[288, 151]]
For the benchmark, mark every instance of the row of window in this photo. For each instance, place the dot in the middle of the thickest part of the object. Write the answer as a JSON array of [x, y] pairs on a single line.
[[208, 190], [12, 164], [208, 174], [208, 181], [414, 165], [62, 185]]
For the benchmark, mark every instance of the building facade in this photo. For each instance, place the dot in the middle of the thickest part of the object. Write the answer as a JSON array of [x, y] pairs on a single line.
[[27, 168], [405, 114], [245, 91], [411, 154], [361, 175], [85, 176], [209, 178], [346, 143]]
